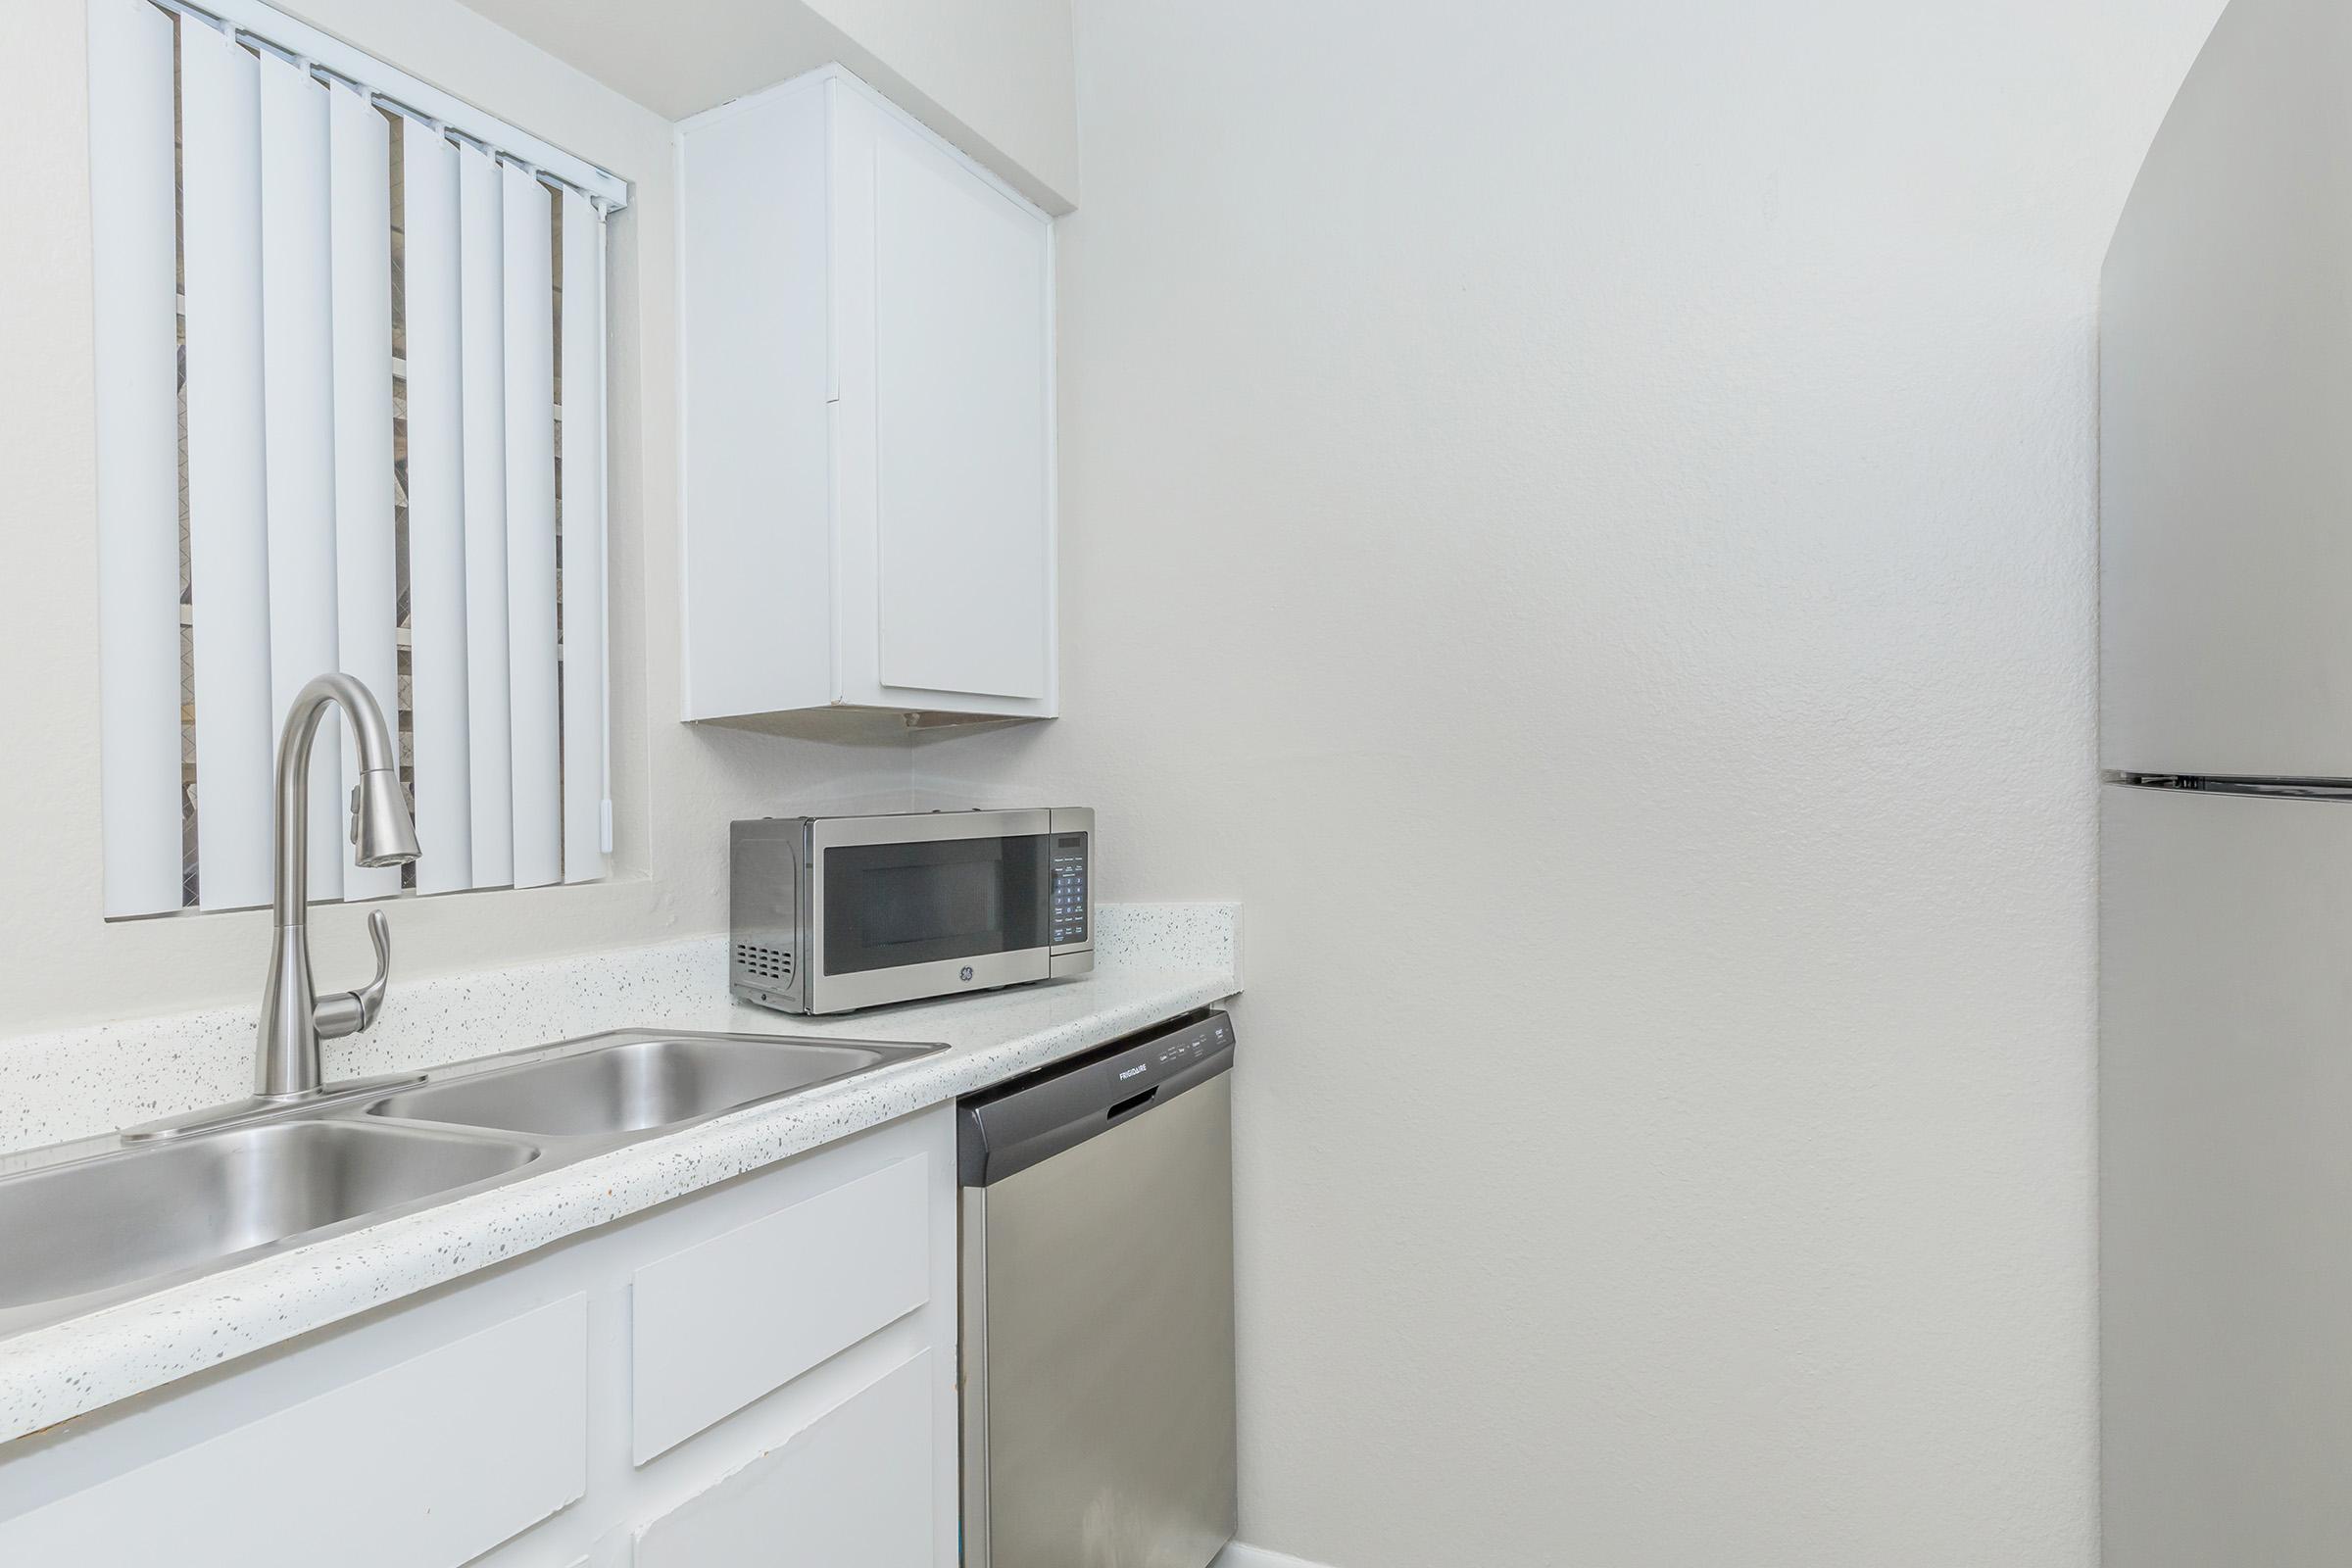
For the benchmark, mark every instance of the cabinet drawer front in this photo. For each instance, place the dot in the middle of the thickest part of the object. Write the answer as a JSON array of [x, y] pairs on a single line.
[[427, 1464], [716, 1326], [852, 1490]]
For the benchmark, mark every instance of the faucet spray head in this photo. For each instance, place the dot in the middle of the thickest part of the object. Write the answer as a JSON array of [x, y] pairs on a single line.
[[382, 833]]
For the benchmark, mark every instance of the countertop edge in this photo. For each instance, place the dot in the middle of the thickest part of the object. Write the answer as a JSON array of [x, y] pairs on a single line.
[[60, 1371]]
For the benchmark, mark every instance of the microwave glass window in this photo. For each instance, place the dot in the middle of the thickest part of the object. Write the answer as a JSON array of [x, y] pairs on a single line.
[[897, 903]]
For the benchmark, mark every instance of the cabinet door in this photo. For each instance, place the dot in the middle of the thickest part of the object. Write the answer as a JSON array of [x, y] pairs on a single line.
[[754, 388], [721, 1324], [851, 1490], [426, 1464], [958, 304]]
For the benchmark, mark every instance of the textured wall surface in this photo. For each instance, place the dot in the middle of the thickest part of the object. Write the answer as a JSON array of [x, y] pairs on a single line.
[[1583, 517]]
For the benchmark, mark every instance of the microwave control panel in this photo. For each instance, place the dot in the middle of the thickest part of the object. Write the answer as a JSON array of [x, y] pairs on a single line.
[[1069, 921]]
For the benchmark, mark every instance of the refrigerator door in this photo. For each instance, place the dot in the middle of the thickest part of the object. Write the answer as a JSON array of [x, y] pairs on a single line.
[[2225, 392], [2225, 1180]]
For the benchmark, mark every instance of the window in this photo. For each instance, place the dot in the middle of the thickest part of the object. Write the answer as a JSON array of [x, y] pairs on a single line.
[[350, 391]]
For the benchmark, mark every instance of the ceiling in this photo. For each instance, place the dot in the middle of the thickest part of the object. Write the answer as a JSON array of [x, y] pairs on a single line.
[[1004, 71], [681, 57]]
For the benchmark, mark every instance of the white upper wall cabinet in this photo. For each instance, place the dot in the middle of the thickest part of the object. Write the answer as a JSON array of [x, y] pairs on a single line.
[[867, 419]]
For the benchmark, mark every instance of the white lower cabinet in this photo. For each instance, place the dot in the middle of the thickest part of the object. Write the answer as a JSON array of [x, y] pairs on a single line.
[[718, 1325], [762, 1373], [426, 1464], [851, 1491]]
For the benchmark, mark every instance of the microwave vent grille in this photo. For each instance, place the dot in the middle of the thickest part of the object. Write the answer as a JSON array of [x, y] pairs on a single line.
[[763, 964]]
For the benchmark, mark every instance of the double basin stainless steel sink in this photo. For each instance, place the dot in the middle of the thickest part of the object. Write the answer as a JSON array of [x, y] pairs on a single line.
[[119, 1219]]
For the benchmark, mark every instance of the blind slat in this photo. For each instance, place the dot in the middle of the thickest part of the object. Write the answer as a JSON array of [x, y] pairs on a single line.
[[299, 433], [436, 490], [137, 329], [228, 537], [583, 582], [530, 400], [481, 237], [366, 553]]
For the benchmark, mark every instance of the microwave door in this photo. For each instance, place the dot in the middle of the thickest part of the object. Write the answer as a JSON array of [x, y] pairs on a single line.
[[928, 906]]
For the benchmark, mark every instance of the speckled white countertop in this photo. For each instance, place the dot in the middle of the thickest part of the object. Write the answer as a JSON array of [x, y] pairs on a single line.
[[1153, 962]]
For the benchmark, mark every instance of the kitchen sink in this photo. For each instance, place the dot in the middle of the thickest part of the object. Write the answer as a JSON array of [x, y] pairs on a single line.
[[149, 1212], [636, 1084], [87, 1224]]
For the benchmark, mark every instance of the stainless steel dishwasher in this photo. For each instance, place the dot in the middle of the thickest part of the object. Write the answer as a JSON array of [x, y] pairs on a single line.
[[1097, 1309]]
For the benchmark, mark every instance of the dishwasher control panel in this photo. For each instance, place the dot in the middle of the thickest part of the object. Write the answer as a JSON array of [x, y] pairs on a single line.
[[1194, 1045]]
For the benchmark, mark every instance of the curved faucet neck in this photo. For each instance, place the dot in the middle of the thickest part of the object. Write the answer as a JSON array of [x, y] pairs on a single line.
[[290, 882]]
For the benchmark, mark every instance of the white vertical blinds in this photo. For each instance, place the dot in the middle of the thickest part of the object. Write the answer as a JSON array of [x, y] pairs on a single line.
[[298, 419], [482, 340], [383, 323], [366, 540], [228, 540], [131, 222], [530, 436], [581, 488], [443, 772]]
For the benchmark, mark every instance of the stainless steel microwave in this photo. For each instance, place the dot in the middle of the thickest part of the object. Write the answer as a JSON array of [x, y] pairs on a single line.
[[831, 914]]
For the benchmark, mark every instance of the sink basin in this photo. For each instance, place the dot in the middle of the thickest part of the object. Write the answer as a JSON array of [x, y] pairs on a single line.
[[153, 1212], [85, 1229], [636, 1085]]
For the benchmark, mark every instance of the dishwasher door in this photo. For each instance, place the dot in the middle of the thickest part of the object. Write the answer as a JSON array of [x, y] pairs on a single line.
[[1097, 1310]]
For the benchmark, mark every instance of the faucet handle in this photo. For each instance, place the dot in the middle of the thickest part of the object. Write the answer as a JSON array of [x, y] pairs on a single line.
[[347, 1012], [371, 994]]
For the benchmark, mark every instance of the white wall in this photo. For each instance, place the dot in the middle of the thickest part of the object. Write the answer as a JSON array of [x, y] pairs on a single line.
[[1583, 517], [1000, 67], [677, 788]]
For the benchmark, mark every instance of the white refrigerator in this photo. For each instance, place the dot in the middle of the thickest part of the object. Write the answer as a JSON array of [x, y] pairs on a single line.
[[2225, 845]]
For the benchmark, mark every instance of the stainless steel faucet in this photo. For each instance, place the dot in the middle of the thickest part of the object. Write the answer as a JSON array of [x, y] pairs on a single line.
[[294, 1017]]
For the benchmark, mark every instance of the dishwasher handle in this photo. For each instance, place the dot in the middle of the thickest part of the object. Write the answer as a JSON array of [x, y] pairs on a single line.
[[1130, 1106], [1006, 1131]]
